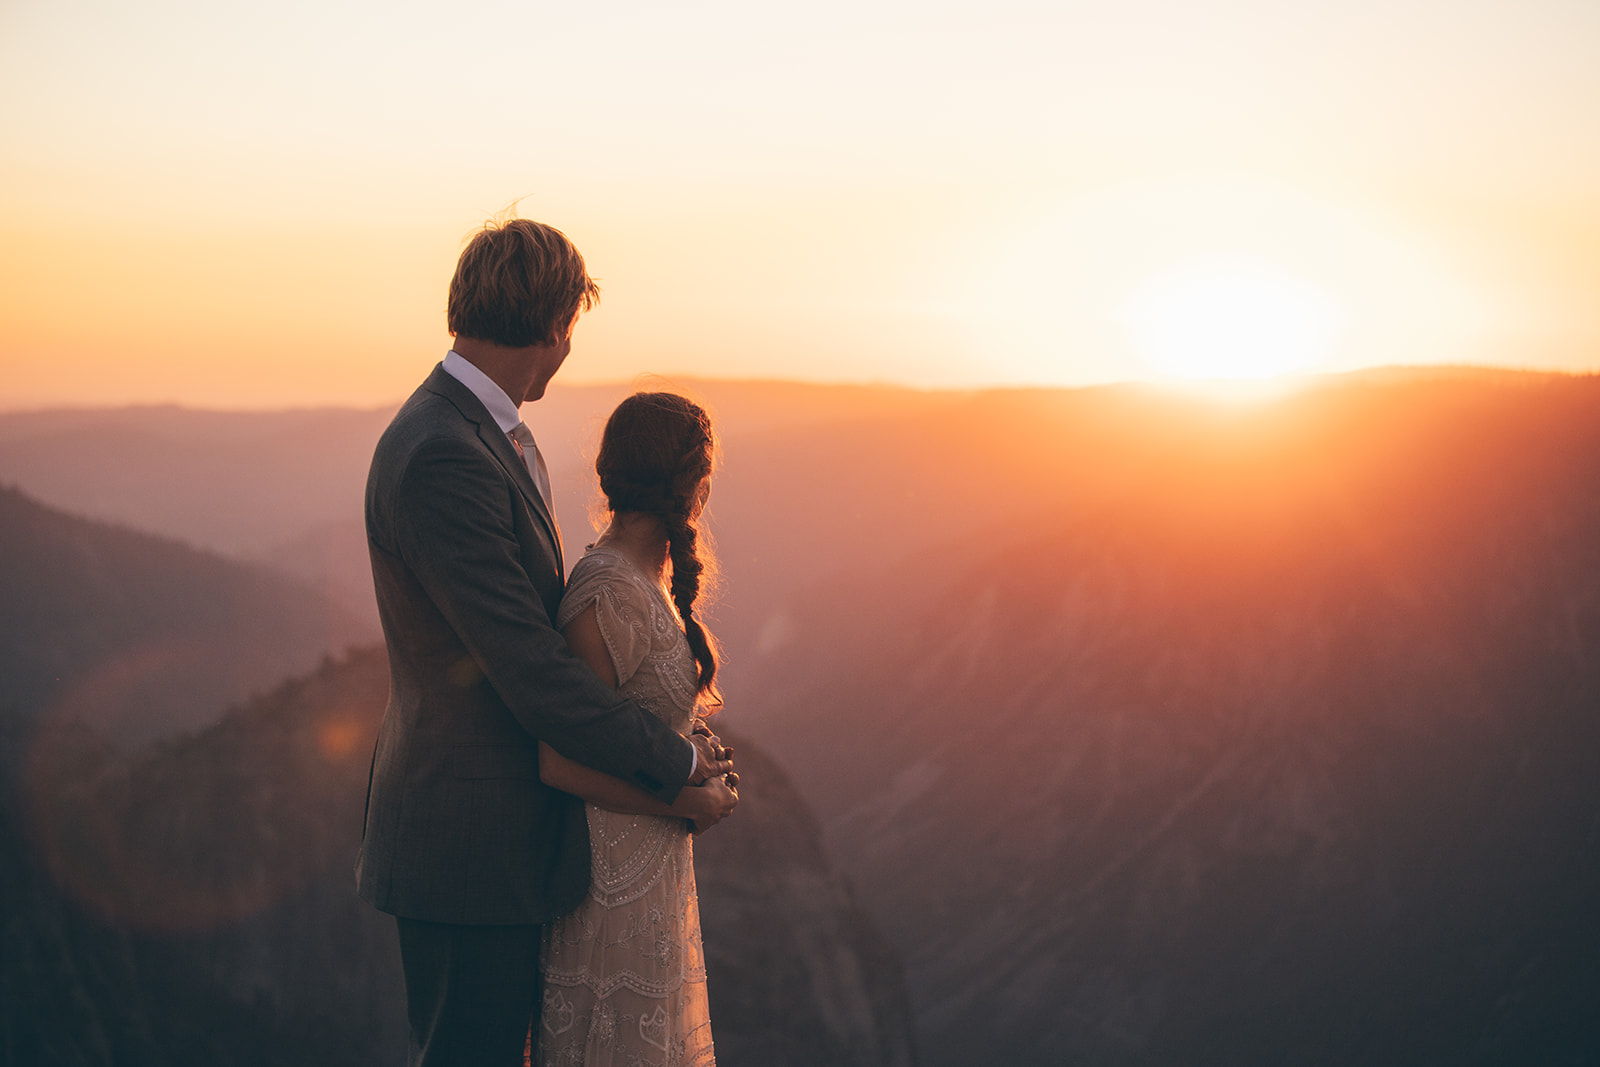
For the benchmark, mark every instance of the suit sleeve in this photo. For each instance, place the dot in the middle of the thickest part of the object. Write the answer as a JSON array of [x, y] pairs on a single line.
[[453, 526]]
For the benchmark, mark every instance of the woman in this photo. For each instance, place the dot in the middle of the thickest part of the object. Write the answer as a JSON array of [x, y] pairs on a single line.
[[624, 974]]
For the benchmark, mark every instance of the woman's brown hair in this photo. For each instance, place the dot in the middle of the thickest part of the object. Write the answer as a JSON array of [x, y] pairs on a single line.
[[656, 450]]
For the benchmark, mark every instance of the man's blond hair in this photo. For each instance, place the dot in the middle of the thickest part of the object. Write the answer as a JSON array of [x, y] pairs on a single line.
[[519, 283]]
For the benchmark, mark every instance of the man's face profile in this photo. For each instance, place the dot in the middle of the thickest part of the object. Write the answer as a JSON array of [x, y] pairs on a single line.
[[547, 360]]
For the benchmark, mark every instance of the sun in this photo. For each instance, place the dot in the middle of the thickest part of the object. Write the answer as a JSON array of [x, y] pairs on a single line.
[[1231, 284], [1229, 317]]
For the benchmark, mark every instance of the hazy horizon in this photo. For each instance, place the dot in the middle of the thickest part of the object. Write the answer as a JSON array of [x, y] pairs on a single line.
[[1215, 391]]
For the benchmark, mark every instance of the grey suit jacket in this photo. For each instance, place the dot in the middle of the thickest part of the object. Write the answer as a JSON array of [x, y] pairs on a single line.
[[467, 568]]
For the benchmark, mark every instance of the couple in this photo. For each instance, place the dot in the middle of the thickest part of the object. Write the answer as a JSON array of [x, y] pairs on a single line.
[[542, 759]]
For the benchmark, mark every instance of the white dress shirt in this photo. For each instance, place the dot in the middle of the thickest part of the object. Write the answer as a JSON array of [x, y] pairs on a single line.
[[504, 411], [501, 407]]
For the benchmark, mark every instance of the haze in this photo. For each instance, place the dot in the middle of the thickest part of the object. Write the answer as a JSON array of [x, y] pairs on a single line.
[[260, 207]]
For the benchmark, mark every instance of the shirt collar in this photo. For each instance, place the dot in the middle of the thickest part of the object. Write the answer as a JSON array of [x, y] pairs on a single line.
[[493, 398]]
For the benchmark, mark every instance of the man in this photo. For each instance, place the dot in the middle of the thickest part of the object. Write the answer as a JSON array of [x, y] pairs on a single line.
[[462, 842]]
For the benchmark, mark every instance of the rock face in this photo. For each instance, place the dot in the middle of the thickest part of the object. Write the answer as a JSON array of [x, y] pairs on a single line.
[[139, 635], [1285, 755], [195, 905], [798, 973]]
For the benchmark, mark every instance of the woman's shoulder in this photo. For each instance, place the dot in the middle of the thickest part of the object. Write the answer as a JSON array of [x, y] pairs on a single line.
[[632, 616], [603, 573]]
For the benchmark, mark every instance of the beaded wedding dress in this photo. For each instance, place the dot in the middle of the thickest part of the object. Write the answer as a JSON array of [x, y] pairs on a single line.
[[624, 974]]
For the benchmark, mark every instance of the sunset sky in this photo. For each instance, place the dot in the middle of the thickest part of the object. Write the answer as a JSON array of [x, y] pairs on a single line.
[[260, 206]]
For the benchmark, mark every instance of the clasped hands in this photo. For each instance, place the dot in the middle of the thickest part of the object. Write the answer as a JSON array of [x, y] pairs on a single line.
[[713, 791]]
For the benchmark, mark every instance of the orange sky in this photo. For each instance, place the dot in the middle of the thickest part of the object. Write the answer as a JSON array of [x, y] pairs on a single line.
[[261, 208]]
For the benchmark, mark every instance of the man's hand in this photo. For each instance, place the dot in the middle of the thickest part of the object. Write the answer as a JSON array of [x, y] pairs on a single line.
[[706, 805], [713, 758]]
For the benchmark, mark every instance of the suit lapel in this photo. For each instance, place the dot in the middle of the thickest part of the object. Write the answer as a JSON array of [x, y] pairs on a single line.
[[506, 452], [502, 449]]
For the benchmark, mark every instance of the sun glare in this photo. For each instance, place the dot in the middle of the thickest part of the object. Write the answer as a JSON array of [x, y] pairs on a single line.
[[1232, 280], [1230, 318]]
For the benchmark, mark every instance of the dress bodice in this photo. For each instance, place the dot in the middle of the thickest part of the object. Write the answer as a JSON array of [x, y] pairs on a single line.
[[654, 665]]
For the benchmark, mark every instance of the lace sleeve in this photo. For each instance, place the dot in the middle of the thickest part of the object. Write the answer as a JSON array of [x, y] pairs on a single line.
[[622, 611]]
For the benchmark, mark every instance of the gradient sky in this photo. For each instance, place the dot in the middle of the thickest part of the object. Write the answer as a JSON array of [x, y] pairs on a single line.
[[260, 206]]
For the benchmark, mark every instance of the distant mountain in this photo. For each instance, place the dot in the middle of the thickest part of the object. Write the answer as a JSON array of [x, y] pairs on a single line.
[[231, 482], [285, 488], [1271, 740], [247, 483], [813, 476], [196, 905], [139, 636], [331, 557]]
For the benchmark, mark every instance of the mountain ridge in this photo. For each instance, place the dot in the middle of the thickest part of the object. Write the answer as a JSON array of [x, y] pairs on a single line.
[[1257, 756], [140, 635]]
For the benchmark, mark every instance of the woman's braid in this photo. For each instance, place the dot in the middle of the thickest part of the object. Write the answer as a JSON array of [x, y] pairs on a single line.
[[656, 452]]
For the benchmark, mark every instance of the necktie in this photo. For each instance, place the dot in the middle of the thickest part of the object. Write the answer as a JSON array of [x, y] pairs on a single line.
[[528, 449]]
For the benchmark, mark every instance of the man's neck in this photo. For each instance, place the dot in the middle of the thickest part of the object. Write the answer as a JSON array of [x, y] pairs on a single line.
[[509, 368]]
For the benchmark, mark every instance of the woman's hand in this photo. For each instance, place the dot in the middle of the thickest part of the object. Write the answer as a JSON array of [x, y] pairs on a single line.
[[706, 805], [703, 729], [713, 759]]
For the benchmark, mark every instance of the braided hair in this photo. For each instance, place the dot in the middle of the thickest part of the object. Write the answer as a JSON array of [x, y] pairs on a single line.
[[656, 451]]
